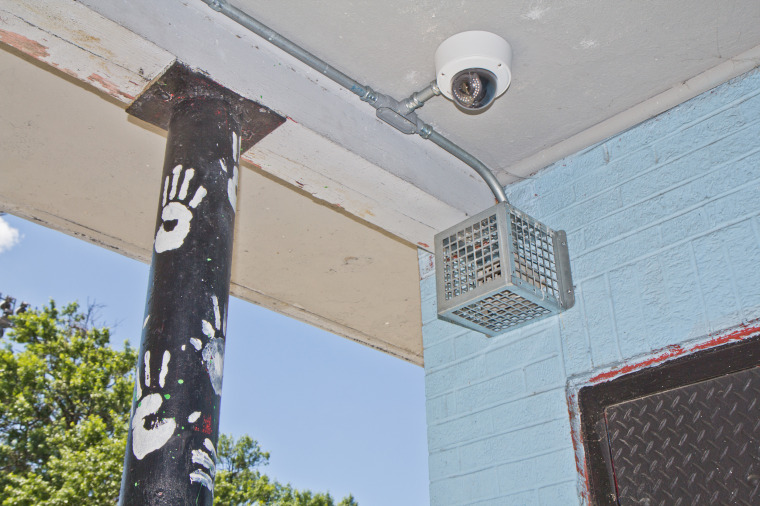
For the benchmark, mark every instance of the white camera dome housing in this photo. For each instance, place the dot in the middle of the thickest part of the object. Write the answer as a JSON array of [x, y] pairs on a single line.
[[473, 68]]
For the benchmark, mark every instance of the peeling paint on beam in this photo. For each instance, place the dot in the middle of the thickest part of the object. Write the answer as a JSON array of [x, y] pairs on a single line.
[[83, 44], [25, 45], [111, 87], [331, 173]]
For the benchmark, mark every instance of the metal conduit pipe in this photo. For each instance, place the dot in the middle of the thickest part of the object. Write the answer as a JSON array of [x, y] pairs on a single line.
[[418, 99], [290, 47], [399, 114], [478, 166]]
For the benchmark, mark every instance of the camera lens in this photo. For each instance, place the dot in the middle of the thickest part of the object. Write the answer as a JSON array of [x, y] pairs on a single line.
[[473, 89]]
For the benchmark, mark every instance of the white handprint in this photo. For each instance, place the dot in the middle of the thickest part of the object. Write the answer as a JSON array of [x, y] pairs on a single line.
[[232, 183], [176, 215], [149, 432], [205, 459], [213, 352]]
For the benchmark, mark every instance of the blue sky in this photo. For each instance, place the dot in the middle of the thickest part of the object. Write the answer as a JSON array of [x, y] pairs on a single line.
[[335, 415]]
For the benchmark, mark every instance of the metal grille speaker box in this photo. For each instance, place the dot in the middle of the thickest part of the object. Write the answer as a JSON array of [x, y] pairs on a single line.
[[501, 269]]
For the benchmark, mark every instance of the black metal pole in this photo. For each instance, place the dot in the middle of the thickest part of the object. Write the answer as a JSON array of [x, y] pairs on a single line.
[[174, 427]]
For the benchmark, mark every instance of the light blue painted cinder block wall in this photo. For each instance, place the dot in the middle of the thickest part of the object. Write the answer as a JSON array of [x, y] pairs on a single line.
[[663, 224]]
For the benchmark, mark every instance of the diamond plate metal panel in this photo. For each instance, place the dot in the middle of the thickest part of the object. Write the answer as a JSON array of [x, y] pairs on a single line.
[[698, 444]]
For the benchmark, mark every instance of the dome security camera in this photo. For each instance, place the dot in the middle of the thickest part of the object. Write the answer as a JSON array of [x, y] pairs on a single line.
[[473, 68]]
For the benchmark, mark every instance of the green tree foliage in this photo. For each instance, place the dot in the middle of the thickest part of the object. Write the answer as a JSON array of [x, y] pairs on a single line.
[[65, 397], [239, 482]]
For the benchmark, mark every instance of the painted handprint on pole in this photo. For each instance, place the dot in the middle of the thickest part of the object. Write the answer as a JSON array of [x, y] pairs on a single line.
[[176, 214], [149, 431], [232, 183], [213, 352], [205, 459]]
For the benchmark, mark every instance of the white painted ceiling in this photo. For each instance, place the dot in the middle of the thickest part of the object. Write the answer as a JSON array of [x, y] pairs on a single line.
[[576, 62]]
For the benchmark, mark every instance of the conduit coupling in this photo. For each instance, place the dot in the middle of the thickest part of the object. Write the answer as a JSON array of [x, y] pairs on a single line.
[[418, 99], [399, 114]]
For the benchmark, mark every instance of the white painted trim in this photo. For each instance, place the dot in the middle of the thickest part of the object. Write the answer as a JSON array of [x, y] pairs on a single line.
[[331, 173], [639, 113]]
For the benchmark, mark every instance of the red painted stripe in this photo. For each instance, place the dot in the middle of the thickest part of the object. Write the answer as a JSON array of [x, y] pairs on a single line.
[[675, 351]]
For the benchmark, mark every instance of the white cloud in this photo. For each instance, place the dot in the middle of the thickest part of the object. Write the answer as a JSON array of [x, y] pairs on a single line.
[[9, 236]]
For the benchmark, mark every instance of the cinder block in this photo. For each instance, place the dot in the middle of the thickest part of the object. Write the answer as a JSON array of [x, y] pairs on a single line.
[[492, 391], [740, 203], [441, 407], [428, 309], [743, 170], [527, 349], [577, 215], [686, 225], [744, 258], [675, 199], [638, 138], [439, 354], [750, 107], [471, 343], [604, 177], [575, 345], [720, 295], [443, 464], [600, 321], [566, 172], [617, 224], [630, 318], [427, 288], [436, 331], [576, 242], [530, 410], [523, 196], [683, 316], [734, 92], [446, 492], [715, 183], [654, 301], [548, 373], [527, 498], [454, 432], [464, 490], [482, 484], [614, 254], [554, 202], [698, 135], [738, 142], [515, 446], [533, 473], [456, 376], [565, 494]]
